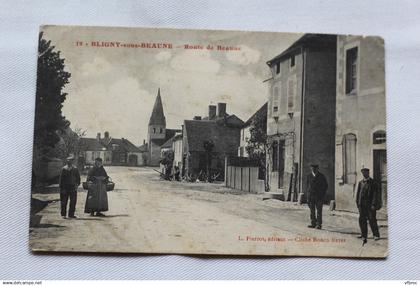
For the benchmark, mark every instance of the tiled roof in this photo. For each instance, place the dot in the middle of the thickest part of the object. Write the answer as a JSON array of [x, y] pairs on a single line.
[[168, 143], [168, 135], [143, 148], [125, 144], [319, 40], [262, 111], [225, 139], [91, 144]]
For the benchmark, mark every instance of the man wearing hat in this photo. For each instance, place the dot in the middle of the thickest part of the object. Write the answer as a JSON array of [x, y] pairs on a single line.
[[69, 181], [368, 200], [316, 188]]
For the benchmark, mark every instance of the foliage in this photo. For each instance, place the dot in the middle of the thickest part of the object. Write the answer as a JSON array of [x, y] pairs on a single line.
[[70, 143], [51, 79], [167, 158], [257, 146]]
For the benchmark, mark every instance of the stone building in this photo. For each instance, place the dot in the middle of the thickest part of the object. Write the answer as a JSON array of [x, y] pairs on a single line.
[[92, 148], [158, 134], [301, 114], [360, 119], [222, 130], [113, 151]]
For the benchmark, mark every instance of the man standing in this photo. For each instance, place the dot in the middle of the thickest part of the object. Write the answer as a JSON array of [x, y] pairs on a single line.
[[97, 198], [368, 200], [316, 188], [69, 181]]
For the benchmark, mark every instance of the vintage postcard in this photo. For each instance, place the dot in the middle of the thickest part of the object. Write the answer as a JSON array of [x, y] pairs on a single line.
[[151, 140]]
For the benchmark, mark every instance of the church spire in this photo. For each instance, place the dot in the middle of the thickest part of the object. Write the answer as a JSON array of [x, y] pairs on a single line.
[[157, 117]]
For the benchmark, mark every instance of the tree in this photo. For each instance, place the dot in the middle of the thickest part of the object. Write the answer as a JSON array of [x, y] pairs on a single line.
[[167, 162], [70, 144], [51, 79], [257, 146]]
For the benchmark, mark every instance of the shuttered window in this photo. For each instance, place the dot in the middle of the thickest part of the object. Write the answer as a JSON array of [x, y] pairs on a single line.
[[351, 70], [349, 158], [275, 100], [291, 91]]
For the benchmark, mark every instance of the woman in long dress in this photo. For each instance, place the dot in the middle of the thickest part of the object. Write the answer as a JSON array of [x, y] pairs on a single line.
[[97, 198]]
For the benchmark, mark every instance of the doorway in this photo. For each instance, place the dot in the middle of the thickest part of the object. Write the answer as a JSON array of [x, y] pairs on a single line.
[[132, 160], [281, 164], [380, 172]]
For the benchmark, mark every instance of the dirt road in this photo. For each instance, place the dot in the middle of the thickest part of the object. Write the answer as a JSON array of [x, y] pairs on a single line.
[[149, 215]]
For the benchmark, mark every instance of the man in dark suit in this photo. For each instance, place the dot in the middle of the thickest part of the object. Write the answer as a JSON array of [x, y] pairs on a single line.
[[368, 200], [316, 186], [69, 181]]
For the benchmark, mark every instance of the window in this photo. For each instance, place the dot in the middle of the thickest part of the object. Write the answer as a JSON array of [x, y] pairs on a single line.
[[154, 130], [93, 155], [292, 61], [277, 67], [291, 88], [351, 70], [161, 130], [275, 154], [379, 137], [349, 159]]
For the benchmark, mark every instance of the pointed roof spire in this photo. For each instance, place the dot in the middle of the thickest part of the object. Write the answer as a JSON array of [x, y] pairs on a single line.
[[157, 117]]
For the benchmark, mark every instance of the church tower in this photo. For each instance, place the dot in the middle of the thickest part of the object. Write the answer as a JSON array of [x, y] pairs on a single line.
[[157, 122], [157, 130]]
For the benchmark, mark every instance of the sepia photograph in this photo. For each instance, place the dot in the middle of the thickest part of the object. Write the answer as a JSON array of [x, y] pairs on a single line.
[[177, 141]]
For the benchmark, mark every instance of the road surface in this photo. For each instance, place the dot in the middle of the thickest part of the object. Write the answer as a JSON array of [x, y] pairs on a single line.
[[150, 215]]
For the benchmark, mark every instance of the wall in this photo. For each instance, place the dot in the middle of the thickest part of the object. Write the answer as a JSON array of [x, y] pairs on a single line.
[[361, 113], [287, 128], [178, 152], [154, 154], [245, 135], [91, 155], [140, 158], [319, 114]]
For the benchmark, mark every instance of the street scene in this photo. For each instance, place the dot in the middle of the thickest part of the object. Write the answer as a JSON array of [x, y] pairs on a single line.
[[161, 217], [209, 142]]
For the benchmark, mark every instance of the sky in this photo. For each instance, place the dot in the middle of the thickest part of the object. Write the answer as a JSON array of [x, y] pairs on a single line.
[[114, 88]]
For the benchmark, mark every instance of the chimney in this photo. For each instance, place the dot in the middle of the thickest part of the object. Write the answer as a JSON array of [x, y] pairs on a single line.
[[212, 112], [144, 142], [221, 109], [197, 118], [106, 135], [98, 136]]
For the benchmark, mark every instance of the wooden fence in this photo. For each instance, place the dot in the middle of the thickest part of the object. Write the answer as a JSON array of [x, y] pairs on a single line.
[[242, 174]]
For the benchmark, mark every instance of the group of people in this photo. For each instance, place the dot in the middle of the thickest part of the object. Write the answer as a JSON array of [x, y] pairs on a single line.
[[367, 198], [96, 200], [368, 201]]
